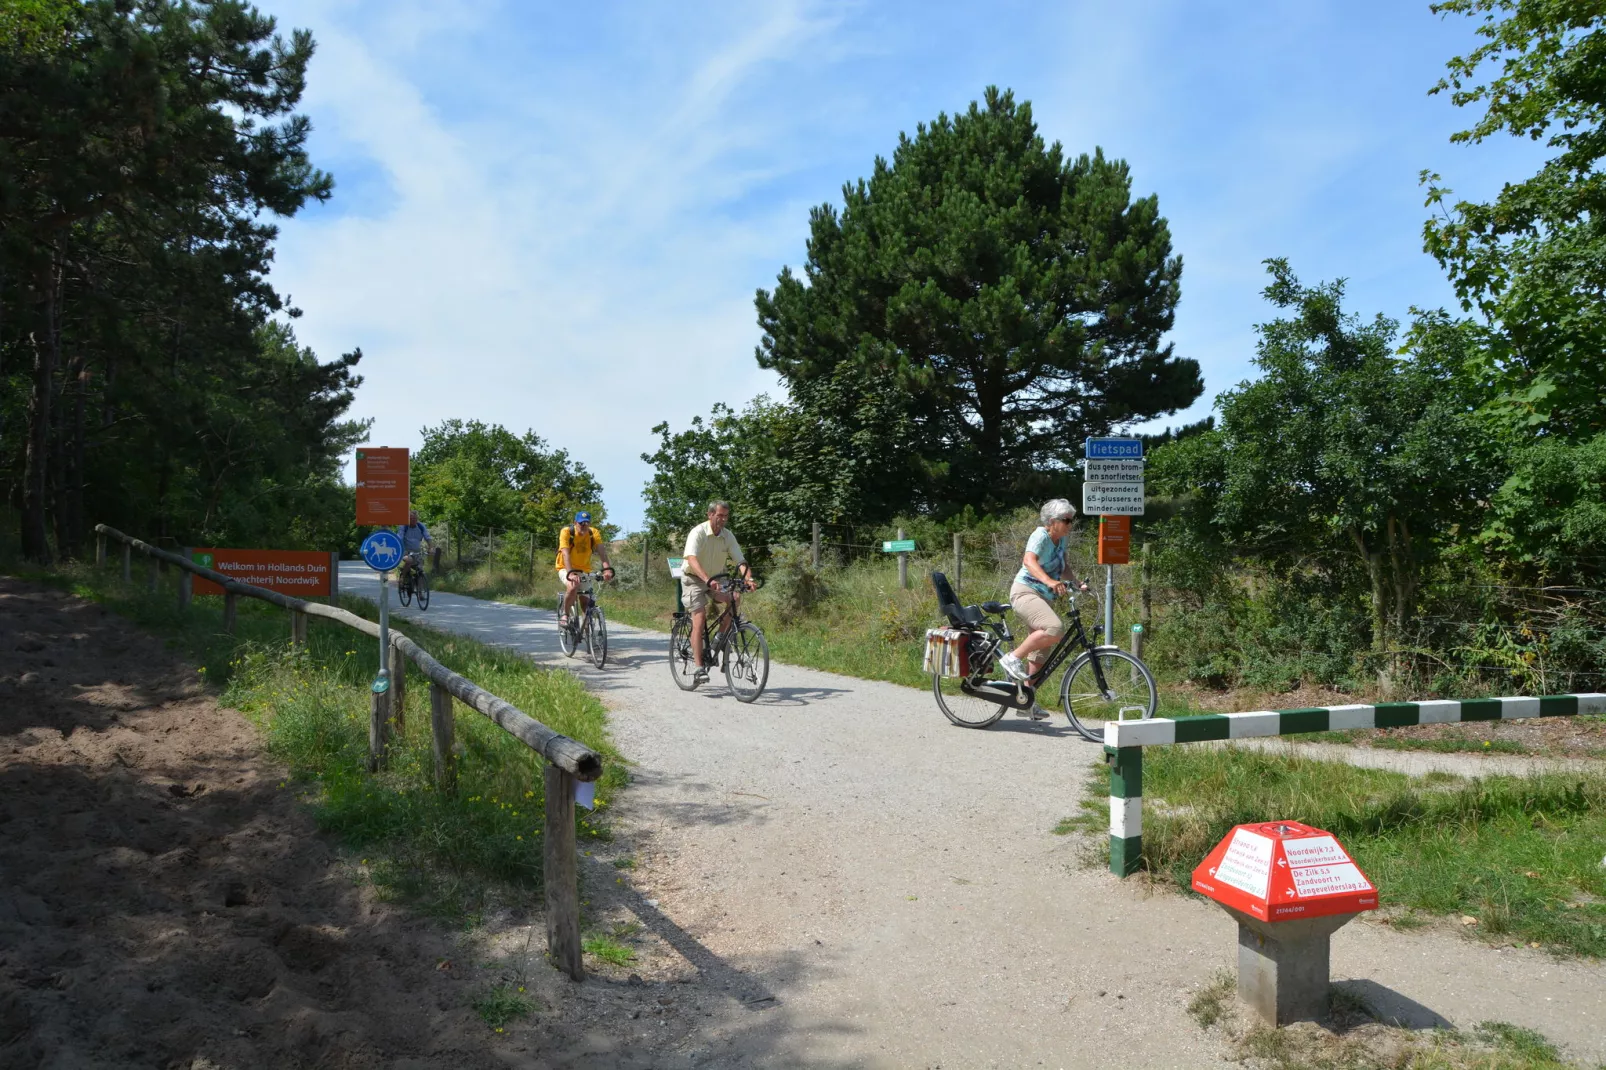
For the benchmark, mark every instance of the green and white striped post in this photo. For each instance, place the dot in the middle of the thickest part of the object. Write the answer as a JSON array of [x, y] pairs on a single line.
[[1126, 808], [1124, 741]]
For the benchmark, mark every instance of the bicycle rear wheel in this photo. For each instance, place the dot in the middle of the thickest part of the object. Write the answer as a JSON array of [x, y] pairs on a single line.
[[681, 666], [1128, 689], [747, 662], [422, 591], [596, 629], [966, 711], [567, 630]]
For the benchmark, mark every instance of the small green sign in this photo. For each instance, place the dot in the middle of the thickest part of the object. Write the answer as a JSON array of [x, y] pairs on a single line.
[[898, 546], [380, 685], [204, 560]]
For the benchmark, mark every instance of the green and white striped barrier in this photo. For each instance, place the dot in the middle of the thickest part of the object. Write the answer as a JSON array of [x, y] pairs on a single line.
[[1124, 742]]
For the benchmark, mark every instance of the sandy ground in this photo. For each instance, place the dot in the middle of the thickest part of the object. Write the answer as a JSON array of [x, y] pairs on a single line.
[[163, 903], [879, 889]]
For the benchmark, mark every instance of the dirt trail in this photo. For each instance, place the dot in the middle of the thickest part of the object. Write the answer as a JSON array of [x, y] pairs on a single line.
[[891, 884], [164, 904]]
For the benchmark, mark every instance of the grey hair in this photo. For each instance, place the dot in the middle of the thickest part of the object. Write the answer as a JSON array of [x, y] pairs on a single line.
[[718, 504], [1053, 510]]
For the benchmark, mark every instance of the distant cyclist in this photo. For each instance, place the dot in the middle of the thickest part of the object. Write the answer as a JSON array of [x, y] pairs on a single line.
[[708, 545], [414, 537], [576, 543]]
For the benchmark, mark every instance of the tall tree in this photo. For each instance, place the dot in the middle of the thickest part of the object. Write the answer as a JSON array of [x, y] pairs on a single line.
[[1342, 451], [1532, 262], [1016, 301]]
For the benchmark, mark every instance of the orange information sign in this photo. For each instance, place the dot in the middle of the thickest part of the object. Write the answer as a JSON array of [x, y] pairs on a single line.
[[303, 573], [382, 485], [1115, 540], [1280, 870]]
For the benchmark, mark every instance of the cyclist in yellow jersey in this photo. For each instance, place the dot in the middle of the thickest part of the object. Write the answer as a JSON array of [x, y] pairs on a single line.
[[576, 543]]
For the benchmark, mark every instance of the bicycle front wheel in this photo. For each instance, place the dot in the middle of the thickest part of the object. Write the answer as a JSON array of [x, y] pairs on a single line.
[[597, 636], [747, 662], [681, 666], [422, 590], [567, 627], [404, 591], [1127, 690], [966, 711]]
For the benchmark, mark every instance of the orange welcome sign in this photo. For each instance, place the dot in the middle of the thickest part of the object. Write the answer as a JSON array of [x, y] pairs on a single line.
[[382, 485], [303, 573]]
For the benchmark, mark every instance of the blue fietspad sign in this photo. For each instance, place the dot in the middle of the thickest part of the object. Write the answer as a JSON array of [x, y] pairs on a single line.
[[1114, 448]]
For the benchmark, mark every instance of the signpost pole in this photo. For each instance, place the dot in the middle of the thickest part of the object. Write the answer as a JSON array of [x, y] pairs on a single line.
[[903, 565], [1109, 604], [379, 710]]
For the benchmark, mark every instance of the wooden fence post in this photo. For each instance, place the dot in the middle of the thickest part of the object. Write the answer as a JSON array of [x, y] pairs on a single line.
[[334, 577], [298, 628], [229, 610], [561, 876], [903, 565], [959, 562], [398, 688], [378, 729], [442, 731], [814, 547], [186, 582], [151, 573], [128, 563], [100, 549], [646, 561]]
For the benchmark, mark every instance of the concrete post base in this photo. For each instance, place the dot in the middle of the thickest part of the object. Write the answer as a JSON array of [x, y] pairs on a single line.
[[1283, 965]]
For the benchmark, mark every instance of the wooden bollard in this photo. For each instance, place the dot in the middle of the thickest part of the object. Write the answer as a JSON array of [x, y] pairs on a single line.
[[298, 628], [100, 549], [128, 563], [186, 583], [398, 688], [561, 876], [442, 733], [378, 729], [230, 610]]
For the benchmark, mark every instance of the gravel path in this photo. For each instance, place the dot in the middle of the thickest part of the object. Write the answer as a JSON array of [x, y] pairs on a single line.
[[894, 884]]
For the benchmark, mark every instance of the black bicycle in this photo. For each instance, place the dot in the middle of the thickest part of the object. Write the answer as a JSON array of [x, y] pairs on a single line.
[[412, 581], [1103, 683], [585, 621], [732, 641]]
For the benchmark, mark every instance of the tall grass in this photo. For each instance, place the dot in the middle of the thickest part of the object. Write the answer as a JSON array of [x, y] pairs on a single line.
[[1521, 855], [448, 853]]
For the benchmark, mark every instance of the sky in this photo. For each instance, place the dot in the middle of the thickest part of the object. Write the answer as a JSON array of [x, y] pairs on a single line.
[[555, 217]]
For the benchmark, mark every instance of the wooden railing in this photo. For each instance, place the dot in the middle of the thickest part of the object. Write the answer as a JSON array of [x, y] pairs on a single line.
[[568, 762]]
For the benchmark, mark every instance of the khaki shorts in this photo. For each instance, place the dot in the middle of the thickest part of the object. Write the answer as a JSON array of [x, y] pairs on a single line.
[[694, 594], [1034, 609]]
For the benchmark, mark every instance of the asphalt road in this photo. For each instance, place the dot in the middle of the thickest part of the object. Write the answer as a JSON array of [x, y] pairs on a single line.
[[895, 884]]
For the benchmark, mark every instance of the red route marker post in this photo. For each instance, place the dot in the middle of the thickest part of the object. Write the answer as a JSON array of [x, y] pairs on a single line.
[[383, 485], [1290, 887]]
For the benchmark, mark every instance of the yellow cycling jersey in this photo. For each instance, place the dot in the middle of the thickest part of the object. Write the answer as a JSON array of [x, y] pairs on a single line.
[[581, 545]]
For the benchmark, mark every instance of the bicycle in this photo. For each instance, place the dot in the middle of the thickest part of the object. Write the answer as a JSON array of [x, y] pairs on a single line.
[[1103, 683], [585, 621], [732, 640], [412, 581]]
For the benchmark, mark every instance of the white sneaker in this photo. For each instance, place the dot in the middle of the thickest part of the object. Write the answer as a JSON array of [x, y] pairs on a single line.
[[1036, 713], [1012, 667]]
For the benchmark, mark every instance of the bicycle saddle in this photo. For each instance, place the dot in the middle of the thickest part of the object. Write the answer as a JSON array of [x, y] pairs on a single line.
[[995, 607]]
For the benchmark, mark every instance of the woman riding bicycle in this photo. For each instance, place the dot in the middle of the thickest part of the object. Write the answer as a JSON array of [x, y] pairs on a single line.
[[1041, 579]]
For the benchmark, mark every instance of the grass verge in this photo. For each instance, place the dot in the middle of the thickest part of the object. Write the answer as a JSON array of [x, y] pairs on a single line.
[[1353, 1039], [447, 855], [1520, 856]]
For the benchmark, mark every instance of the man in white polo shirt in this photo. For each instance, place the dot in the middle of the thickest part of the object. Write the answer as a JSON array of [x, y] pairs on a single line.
[[708, 546]]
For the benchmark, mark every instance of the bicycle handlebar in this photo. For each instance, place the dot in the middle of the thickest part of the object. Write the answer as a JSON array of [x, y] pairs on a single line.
[[730, 584]]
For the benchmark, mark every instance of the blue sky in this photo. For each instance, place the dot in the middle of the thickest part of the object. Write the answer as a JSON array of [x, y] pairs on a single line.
[[554, 217]]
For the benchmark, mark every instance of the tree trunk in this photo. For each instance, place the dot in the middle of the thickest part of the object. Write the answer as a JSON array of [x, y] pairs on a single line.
[[36, 475], [1380, 620]]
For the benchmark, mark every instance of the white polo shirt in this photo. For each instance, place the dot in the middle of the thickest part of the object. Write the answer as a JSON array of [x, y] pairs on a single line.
[[711, 550]]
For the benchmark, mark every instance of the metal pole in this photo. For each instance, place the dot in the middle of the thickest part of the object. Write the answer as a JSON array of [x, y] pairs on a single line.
[[384, 632], [1109, 605], [903, 565], [814, 556]]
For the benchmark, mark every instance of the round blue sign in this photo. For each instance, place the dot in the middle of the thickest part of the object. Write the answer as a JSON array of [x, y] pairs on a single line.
[[382, 551]]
